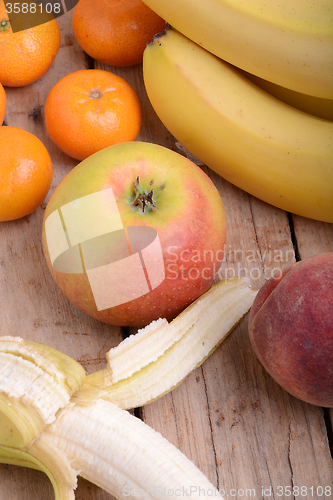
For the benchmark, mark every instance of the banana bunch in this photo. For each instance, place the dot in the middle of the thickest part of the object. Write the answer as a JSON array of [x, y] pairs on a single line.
[[289, 44], [56, 419], [257, 142]]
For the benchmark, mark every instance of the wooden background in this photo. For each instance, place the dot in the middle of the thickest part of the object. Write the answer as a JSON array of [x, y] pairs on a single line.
[[239, 427]]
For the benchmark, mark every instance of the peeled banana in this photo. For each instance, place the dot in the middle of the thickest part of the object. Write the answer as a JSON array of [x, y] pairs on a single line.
[[56, 419], [98, 440], [267, 148], [123, 455], [289, 43]]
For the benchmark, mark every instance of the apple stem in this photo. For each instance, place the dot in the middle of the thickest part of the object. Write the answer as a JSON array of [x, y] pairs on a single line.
[[143, 199]]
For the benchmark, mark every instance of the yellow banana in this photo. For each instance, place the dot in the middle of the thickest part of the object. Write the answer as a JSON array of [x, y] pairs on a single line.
[[289, 43], [262, 145], [317, 106]]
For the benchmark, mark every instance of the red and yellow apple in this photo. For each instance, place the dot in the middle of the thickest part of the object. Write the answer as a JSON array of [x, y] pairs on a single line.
[[291, 329], [133, 233]]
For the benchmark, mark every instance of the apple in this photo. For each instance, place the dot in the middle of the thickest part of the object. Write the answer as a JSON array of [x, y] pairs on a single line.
[[134, 233], [291, 329]]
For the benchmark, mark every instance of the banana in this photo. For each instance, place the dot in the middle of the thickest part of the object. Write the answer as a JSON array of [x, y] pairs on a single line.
[[317, 106], [123, 455], [55, 418], [290, 43], [260, 144], [195, 335], [98, 440], [112, 449]]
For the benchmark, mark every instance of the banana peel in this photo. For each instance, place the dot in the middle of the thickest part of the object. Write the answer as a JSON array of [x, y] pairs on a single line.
[[197, 332]]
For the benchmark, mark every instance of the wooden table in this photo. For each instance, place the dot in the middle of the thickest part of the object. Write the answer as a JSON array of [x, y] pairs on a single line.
[[250, 437]]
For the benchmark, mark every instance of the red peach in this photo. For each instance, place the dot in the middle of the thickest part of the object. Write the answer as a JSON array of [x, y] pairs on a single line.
[[291, 329]]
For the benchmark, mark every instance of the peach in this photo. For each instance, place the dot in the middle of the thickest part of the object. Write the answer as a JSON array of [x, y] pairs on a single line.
[[291, 329]]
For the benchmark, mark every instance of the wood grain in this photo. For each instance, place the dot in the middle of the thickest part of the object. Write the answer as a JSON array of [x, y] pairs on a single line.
[[242, 430]]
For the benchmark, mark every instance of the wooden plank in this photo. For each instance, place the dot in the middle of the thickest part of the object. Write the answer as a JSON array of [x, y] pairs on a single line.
[[312, 238], [240, 428]]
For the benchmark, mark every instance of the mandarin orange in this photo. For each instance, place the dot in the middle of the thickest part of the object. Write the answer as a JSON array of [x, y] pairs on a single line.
[[88, 110], [3, 103], [115, 32], [26, 54], [25, 173]]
